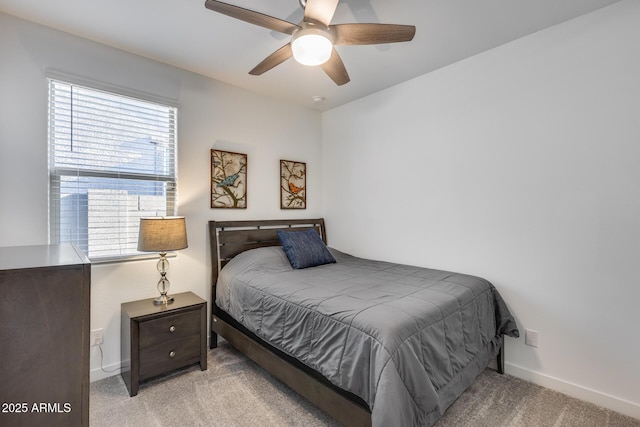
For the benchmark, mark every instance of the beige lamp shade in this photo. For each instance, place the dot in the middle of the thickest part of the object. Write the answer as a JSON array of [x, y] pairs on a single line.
[[162, 234]]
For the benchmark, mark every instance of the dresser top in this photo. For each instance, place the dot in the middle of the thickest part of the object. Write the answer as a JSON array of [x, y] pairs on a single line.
[[19, 257]]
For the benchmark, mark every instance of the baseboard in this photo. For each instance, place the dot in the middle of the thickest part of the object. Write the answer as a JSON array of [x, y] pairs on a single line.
[[100, 374], [574, 390]]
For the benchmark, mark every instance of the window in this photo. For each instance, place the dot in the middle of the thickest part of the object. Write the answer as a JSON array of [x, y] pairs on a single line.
[[112, 161]]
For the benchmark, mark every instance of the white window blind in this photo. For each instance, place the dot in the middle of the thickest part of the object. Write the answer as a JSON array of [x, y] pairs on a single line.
[[112, 161]]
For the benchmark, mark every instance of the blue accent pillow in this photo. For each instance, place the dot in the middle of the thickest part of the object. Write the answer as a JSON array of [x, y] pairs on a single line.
[[305, 248]]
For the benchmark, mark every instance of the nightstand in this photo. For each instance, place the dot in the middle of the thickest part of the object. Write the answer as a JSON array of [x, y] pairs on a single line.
[[157, 339]]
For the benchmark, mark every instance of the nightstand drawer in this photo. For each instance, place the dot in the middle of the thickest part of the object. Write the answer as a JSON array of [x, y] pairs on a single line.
[[169, 328], [168, 356]]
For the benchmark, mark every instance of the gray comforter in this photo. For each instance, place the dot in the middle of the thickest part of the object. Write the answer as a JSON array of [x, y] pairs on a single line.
[[407, 340]]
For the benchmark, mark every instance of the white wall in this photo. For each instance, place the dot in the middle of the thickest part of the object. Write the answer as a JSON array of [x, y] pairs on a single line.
[[211, 115], [519, 165]]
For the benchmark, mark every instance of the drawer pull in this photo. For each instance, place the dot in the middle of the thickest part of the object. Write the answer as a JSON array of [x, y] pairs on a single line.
[[172, 328], [172, 354]]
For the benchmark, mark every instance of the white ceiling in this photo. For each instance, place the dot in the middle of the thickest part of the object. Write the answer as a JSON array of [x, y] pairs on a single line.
[[185, 34]]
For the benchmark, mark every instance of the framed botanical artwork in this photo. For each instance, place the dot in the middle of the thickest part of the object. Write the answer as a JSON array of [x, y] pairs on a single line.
[[293, 185], [228, 179]]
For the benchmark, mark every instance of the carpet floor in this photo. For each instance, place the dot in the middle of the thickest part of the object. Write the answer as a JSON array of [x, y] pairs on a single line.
[[234, 392]]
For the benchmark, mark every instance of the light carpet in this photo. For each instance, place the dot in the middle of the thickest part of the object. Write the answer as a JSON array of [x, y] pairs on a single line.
[[234, 392]]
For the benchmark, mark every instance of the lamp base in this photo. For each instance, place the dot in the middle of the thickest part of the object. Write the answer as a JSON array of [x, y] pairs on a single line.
[[163, 300]]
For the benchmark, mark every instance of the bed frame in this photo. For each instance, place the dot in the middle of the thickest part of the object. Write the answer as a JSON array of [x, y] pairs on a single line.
[[230, 238]]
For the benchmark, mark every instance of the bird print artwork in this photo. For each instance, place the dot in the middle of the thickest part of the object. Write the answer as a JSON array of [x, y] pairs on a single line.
[[294, 189], [293, 184], [228, 179]]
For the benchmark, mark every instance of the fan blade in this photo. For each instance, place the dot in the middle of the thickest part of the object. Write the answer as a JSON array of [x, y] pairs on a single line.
[[335, 69], [252, 17], [361, 34], [320, 11], [276, 58], [295, 16]]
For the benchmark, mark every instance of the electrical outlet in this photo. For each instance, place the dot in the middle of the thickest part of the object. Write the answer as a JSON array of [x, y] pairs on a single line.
[[531, 337], [97, 337]]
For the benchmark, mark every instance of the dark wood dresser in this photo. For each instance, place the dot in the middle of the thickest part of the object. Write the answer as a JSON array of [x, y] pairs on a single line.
[[44, 336], [157, 339]]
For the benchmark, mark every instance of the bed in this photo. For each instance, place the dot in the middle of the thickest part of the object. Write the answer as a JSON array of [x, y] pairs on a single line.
[[371, 343]]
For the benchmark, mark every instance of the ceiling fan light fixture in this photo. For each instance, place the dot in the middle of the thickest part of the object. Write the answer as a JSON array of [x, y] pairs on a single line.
[[311, 46], [313, 38]]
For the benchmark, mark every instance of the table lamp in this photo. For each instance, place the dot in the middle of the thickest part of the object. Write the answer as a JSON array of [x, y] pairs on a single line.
[[162, 234]]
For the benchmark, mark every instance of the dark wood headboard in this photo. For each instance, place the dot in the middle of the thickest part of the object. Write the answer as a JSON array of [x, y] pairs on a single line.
[[230, 238]]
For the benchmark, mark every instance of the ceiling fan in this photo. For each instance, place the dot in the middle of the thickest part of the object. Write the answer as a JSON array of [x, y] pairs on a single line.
[[313, 39]]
